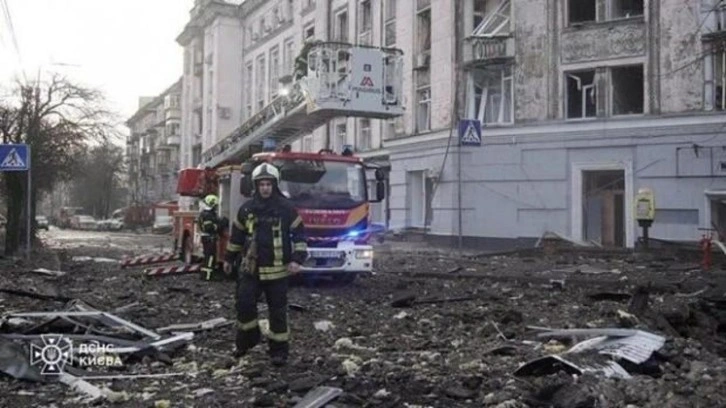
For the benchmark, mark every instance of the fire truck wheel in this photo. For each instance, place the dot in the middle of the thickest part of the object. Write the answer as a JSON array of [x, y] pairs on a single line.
[[186, 252]]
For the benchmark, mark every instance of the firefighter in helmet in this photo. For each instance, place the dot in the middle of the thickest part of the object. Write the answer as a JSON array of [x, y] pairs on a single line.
[[209, 227], [267, 238]]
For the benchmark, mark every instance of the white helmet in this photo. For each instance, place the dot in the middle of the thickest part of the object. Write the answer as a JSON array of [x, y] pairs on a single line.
[[266, 171]]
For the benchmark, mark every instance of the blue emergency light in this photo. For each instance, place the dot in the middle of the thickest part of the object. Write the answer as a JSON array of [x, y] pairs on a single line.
[[268, 145]]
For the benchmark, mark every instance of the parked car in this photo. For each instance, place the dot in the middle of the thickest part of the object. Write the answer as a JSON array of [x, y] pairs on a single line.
[[83, 222], [41, 222], [163, 224], [111, 224]]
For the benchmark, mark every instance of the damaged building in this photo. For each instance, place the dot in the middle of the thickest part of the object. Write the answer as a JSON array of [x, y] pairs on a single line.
[[581, 104]]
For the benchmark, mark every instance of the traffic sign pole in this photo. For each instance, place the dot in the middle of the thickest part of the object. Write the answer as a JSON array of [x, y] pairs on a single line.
[[29, 209], [11, 159]]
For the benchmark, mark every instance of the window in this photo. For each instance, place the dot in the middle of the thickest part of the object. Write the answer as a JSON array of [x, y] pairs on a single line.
[[290, 10], [424, 31], [274, 71], [390, 22], [581, 11], [309, 32], [627, 89], [719, 79], [289, 56], [341, 26], [364, 135], [260, 78], [248, 90], [365, 23], [626, 8], [423, 101], [581, 95], [308, 144], [490, 95], [496, 22], [341, 138]]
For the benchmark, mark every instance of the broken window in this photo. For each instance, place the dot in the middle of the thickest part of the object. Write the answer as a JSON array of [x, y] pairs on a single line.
[[274, 71], [423, 101], [582, 10], [260, 78], [424, 31], [719, 79], [490, 95], [309, 32], [581, 95], [341, 26], [495, 23], [341, 139], [365, 21], [390, 22], [626, 8], [364, 138], [627, 85]]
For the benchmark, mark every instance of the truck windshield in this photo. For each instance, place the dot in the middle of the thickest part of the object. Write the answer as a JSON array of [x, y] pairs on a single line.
[[321, 184]]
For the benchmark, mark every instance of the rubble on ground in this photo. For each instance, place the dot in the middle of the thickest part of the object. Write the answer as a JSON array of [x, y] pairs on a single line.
[[428, 329]]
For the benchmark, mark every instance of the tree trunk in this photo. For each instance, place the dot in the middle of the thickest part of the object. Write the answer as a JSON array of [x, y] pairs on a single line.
[[14, 187]]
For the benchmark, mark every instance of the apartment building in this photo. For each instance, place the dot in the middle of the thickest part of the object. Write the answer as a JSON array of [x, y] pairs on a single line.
[[152, 149], [580, 103]]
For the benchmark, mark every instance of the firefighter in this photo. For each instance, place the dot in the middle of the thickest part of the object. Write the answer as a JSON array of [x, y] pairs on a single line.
[[301, 61], [208, 223], [267, 240]]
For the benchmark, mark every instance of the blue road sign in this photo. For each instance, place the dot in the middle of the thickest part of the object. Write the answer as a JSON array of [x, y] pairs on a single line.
[[13, 157], [470, 132]]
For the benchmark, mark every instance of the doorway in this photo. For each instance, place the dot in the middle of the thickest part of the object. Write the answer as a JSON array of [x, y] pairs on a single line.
[[419, 198], [603, 207]]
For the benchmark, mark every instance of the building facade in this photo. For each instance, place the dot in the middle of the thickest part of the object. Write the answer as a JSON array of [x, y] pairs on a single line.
[[152, 149], [581, 104]]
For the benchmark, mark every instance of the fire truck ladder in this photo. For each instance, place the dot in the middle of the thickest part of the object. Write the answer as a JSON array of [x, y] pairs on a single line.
[[342, 80]]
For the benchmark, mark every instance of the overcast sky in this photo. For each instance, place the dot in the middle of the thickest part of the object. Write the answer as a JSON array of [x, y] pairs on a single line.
[[126, 48]]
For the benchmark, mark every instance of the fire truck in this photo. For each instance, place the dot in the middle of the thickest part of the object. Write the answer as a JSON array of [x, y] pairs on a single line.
[[329, 190]]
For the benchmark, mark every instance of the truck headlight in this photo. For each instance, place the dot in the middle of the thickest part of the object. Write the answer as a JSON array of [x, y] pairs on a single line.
[[364, 254]]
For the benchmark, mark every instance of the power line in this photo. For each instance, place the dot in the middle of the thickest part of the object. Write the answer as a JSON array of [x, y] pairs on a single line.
[[13, 36]]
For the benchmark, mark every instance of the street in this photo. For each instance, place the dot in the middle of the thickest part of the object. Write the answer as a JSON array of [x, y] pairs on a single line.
[[428, 329]]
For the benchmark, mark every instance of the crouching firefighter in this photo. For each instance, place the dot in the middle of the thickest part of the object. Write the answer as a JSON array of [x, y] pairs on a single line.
[[209, 227], [267, 235]]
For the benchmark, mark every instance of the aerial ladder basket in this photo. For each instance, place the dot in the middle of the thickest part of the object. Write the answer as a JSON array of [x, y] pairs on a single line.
[[343, 80]]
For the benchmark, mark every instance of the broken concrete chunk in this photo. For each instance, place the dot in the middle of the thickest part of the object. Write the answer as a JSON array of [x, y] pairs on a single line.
[[318, 397], [323, 325]]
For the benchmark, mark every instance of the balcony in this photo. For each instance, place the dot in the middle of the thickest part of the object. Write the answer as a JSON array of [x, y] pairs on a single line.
[[482, 51], [173, 140]]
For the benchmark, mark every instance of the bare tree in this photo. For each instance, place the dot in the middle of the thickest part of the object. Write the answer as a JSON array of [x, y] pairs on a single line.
[[56, 118], [97, 185]]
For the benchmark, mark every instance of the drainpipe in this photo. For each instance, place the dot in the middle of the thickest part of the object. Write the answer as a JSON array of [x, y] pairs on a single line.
[[328, 33], [457, 43]]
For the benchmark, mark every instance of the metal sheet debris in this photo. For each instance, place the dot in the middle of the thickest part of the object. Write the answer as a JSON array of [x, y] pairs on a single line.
[[635, 346], [318, 397], [192, 327]]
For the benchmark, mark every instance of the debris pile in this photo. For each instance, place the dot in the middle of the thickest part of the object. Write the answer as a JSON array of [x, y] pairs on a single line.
[[571, 329]]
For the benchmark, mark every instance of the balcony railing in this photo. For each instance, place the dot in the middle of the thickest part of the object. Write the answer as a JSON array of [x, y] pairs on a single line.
[[480, 49]]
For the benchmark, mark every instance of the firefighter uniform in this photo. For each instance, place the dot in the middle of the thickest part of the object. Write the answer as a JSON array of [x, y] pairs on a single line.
[[208, 223], [267, 235]]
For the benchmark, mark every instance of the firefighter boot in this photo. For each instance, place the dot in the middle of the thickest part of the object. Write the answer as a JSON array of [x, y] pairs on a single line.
[[279, 336], [248, 329]]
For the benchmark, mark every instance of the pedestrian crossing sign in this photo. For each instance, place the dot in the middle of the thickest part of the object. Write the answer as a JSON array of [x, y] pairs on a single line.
[[470, 132], [13, 157]]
